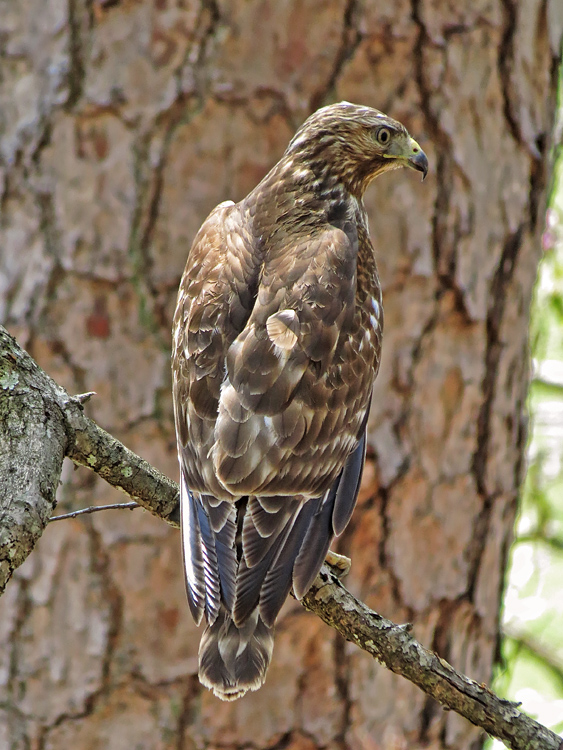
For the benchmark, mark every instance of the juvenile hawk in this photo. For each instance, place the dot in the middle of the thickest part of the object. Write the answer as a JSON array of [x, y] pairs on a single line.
[[277, 337]]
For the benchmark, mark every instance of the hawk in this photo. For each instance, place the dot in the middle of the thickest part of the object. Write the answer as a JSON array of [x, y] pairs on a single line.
[[277, 338]]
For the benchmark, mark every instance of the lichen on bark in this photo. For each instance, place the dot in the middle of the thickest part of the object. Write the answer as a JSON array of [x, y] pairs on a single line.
[[32, 447]]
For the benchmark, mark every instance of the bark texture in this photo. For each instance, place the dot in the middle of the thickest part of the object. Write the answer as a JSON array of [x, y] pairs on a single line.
[[124, 123], [88, 445], [32, 447], [40, 425]]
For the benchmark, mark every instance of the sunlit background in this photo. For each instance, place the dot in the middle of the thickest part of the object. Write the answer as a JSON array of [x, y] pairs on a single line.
[[532, 647]]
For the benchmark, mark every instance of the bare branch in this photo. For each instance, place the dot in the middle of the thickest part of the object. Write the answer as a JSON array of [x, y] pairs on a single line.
[[395, 647], [95, 509], [33, 442], [91, 446], [86, 443], [40, 423]]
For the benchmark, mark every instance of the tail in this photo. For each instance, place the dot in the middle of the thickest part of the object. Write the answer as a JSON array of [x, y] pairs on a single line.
[[241, 560], [241, 598], [234, 659]]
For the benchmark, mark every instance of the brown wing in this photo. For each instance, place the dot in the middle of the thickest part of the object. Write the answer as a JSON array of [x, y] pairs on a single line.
[[272, 376], [215, 299], [291, 421], [272, 372], [299, 374]]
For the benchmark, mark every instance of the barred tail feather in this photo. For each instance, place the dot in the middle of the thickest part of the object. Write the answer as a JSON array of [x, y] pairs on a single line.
[[233, 659], [208, 545], [241, 560], [192, 551]]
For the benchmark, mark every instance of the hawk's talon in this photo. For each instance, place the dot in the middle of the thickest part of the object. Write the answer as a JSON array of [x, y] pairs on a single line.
[[340, 562]]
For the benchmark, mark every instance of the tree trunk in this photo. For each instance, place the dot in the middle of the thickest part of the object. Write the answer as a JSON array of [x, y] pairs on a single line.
[[124, 123]]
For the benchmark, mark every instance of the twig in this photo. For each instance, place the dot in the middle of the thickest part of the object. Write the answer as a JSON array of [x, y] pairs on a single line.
[[95, 509], [91, 446], [82, 398], [555, 542]]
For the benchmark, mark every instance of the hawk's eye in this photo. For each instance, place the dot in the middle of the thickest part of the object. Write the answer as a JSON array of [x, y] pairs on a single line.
[[383, 136]]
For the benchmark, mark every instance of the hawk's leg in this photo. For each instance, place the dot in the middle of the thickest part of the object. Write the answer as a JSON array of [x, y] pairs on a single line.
[[340, 562]]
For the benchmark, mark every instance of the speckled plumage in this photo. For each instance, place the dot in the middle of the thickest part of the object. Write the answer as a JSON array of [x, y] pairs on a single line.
[[277, 338]]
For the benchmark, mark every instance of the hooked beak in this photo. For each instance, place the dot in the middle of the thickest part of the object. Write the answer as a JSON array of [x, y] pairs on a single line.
[[407, 153], [417, 159]]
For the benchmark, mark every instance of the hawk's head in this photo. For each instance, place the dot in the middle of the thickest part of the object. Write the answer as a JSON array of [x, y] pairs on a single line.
[[355, 144]]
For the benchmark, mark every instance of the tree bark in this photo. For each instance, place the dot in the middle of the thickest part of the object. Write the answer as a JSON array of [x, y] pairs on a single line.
[[124, 124], [41, 424], [87, 444]]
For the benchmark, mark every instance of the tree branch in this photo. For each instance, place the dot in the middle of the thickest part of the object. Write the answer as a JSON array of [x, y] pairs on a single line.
[[40, 424], [395, 647]]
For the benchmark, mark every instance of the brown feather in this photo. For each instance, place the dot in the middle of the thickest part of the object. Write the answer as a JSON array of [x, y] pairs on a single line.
[[277, 337]]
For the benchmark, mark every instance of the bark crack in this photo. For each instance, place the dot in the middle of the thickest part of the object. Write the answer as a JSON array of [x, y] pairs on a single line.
[[342, 676], [505, 67], [149, 180], [350, 40], [498, 295], [77, 69]]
